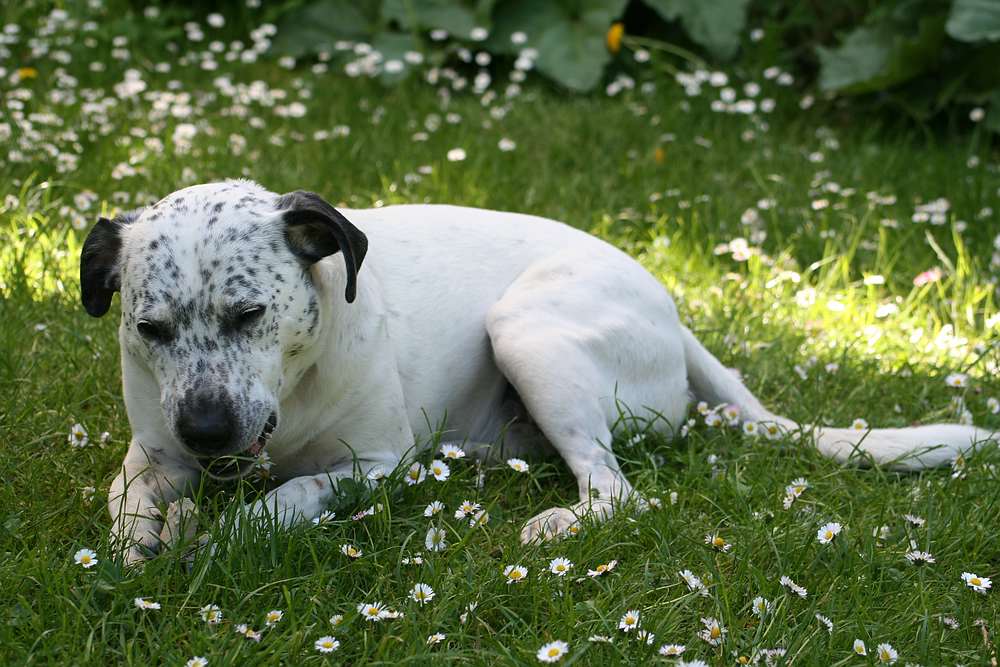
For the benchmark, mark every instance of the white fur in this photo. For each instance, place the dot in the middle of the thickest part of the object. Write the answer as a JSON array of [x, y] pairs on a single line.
[[455, 304]]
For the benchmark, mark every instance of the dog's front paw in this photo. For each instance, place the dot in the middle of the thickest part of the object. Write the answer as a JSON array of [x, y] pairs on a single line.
[[137, 546], [550, 524]]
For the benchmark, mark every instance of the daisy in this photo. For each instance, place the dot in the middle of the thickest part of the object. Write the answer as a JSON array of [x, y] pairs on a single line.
[[435, 539], [859, 647], [78, 436], [629, 621], [373, 611], [506, 145], [761, 606], [919, 557], [731, 414], [467, 508], [827, 532], [713, 419], [599, 639], [993, 405], [415, 560], [452, 452], [368, 512], [950, 622], [351, 551], [433, 508], [440, 470], [751, 429], [85, 558], [793, 587], [436, 638], [672, 650], [717, 542], [480, 518], [771, 430], [143, 603], [273, 617], [553, 651], [422, 593], [324, 518], [602, 568], [646, 636], [336, 619], [197, 661], [957, 380], [690, 663], [886, 653], [914, 520], [977, 583], [518, 465], [456, 155], [415, 474], [327, 644], [560, 566], [693, 582], [859, 425], [515, 573], [247, 631], [797, 487], [713, 632], [211, 614], [825, 620]]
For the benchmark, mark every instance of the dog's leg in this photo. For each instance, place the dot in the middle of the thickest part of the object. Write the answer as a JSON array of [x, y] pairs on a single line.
[[147, 479]]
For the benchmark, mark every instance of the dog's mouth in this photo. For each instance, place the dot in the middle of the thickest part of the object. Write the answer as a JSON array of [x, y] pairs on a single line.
[[235, 465]]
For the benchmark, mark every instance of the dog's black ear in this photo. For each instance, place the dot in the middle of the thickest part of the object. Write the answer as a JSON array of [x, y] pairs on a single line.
[[314, 229], [100, 269]]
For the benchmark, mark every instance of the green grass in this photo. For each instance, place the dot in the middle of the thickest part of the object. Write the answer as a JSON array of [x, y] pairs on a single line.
[[589, 162]]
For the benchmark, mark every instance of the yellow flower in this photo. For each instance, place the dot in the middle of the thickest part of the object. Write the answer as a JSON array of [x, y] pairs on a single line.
[[614, 37], [27, 73], [659, 155]]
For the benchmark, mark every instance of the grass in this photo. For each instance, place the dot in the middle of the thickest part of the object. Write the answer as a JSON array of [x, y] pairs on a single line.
[[801, 301]]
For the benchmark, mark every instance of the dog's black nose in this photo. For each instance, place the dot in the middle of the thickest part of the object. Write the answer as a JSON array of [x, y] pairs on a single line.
[[206, 424]]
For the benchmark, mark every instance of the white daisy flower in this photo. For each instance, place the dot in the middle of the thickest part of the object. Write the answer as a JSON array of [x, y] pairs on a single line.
[[977, 583], [248, 632], [78, 436], [211, 614], [827, 532], [761, 606], [452, 452], [415, 560], [713, 419], [602, 568], [672, 650], [646, 636], [713, 632], [560, 566], [373, 611], [506, 144], [143, 603], [886, 653], [422, 593], [693, 582], [919, 557], [86, 558], [435, 539], [993, 405], [797, 487], [515, 573], [336, 619], [467, 508], [553, 651], [751, 429], [717, 542], [436, 638], [629, 621], [327, 644], [825, 620], [456, 155], [859, 647], [415, 474], [915, 520], [793, 587], [197, 661], [859, 425], [439, 470], [323, 518], [950, 622], [957, 380], [599, 639], [518, 465], [351, 551], [480, 518], [273, 617], [433, 508]]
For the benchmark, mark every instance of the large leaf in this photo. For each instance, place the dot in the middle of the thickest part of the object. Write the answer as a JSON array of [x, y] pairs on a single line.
[[318, 25], [569, 36], [876, 57], [715, 24], [974, 20], [458, 17]]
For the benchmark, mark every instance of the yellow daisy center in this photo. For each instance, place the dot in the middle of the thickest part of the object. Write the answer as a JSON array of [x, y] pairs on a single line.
[[554, 651], [718, 541], [975, 581], [715, 632], [829, 534]]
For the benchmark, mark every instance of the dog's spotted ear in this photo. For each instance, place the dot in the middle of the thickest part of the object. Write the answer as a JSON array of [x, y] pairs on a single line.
[[314, 229], [100, 268]]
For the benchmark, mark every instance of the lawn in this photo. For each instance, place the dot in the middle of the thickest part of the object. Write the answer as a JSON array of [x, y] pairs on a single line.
[[845, 265]]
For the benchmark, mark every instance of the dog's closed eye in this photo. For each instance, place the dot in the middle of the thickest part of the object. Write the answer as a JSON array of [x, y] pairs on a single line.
[[154, 331]]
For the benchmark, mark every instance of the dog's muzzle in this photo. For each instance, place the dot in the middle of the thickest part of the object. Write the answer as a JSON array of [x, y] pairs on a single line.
[[236, 465]]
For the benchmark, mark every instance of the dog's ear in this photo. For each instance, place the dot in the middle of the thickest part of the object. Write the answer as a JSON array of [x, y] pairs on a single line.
[[314, 229], [100, 268]]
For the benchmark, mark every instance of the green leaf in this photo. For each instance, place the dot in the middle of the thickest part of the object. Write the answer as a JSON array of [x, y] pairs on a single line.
[[880, 56], [569, 37], [456, 16], [318, 25], [974, 20], [715, 24]]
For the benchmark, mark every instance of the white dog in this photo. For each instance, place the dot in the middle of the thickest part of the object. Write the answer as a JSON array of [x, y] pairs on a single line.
[[236, 335]]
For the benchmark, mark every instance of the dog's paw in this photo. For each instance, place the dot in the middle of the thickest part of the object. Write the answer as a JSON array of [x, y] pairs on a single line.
[[550, 524]]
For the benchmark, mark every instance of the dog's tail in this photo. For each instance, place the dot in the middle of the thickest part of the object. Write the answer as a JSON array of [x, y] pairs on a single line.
[[899, 448]]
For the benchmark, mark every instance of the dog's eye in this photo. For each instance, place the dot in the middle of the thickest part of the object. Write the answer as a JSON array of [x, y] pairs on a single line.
[[248, 316], [152, 330]]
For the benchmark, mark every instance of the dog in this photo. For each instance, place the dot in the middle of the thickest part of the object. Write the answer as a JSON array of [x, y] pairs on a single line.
[[338, 340]]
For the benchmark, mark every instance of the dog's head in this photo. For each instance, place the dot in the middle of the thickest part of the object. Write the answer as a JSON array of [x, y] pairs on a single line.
[[216, 297]]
